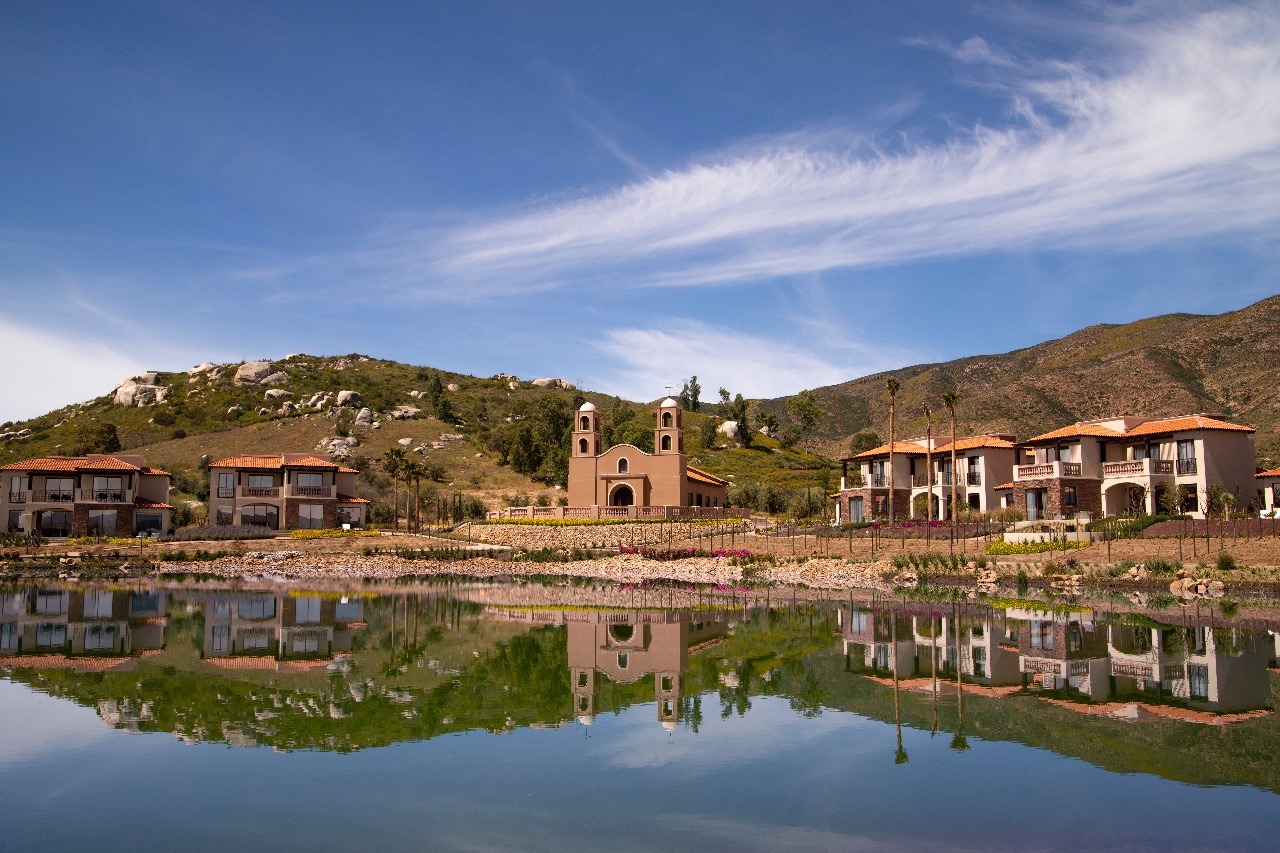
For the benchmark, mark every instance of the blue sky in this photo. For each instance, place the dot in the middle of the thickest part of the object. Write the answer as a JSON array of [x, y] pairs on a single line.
[[773, 196]]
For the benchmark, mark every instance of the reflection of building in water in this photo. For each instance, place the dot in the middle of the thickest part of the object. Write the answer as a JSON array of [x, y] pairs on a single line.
[[63, 624], [270, 627], [1060, 650], [985, 650], [625, 647], [1219, 670]]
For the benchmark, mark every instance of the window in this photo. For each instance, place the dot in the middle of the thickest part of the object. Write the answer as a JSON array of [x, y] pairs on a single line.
[[666, 442], [310, 516], [97, 604], [582, 445], [18, 487], [979, 662], [59, 489], [262, 481], [226, 515], [859, 621], [622, 465], [15, 520], [880, 656], [668, 684], [9, 637], [221, 640], [1190, 499], [261, 515], [666, 420], [108, 488], [1075, 638], [226, 485], [144, 604], [582, 679], [55, 523], [51, 635], [1198, 678], [222, 610], [307, 610], [102, 522], [1069, 497], [99, 638], [584, 425], [1186, 457], [309, 479], [1042, 636], [975, 500], [259, 607], [624, 660], [51, 602], [305, 643], [347, 611], [148, 522]]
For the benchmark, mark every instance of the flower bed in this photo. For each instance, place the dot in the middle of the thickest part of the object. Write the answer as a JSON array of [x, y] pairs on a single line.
[[1001, 549], [331, 533]]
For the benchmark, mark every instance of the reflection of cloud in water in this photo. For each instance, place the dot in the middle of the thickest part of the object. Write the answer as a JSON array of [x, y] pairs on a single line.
[[771, 726], [36, 724], [714, 830]]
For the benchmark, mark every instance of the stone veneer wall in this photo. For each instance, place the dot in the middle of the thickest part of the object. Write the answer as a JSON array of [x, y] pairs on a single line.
[[289, 518], [1088, 496], [80, 518], [901, 502]]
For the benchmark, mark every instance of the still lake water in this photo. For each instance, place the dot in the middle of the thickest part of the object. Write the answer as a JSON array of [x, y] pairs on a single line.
[[280, 720]]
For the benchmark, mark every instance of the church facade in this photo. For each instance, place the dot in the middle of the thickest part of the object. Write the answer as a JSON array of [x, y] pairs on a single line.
[[626, 476]]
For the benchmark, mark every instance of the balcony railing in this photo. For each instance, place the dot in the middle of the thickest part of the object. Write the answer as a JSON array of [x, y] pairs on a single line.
[[226, 492], [17, 497], [1048, 470], [104, 496], [921, 481], [1187, 466], [877, 481], [973, 478], [259, 491], [311, 492], [61, 496], [1137, 468]]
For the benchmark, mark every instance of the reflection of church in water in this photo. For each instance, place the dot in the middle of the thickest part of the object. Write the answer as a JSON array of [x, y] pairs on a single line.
[[625, 647]]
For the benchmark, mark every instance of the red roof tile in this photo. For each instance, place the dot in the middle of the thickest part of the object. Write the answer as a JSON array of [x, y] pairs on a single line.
[[261, 462], [107, 465], [348, 499], [977, 441], [145, 503], [700, 476], [1076, 430], [311, 462], [342, 469], [1274, 472], [909, 447], [1003, 487], [1190, 422], [49, 463], [146, 469]]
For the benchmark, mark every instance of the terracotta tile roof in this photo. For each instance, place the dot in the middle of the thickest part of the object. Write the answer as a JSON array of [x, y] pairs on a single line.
[[898, 447], [700, 476], [147, 469], [261, 462], [49, 463], [1003, 487], [976, 441], [311, 462], [349, 499], [1076, 430], [145, 503], [85, 664], [1274, 472], [1168, 425], [244, 663], [107, 465], [342, 469]]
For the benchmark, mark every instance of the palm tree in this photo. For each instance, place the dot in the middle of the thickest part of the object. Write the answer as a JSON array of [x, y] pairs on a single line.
[[892, 386], [950, 399], [392, 463], [928, 469], [411, 470]]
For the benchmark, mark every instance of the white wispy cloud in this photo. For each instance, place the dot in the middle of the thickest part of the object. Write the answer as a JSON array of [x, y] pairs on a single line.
[[641, 362], [1175, 135]]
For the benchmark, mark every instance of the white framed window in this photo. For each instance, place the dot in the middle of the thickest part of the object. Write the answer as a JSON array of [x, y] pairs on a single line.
[[97, 604], [99, 638], [307, 610], [310, 516]]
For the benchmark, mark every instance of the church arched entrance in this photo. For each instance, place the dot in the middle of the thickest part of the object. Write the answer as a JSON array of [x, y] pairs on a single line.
[[622, 496]]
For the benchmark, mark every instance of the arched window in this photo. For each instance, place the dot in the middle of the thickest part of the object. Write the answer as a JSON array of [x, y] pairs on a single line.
[[666, 442], [622, 465], [586, 424], [666, 420], [582, 445]]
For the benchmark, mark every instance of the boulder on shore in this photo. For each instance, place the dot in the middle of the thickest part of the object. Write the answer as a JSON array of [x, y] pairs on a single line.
[[253, 372]]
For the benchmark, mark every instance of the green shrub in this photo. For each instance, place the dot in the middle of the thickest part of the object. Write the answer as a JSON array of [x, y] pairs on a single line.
[[997, 548], [1226, 562]]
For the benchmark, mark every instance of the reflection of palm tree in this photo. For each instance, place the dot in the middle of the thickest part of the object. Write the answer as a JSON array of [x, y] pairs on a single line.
[[958, 741], [900, 756], [933, 655]]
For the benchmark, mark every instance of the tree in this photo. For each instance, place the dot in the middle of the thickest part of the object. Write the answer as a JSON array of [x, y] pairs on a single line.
[[392, 463], [892, 386], [690, 391], [738, 410], [928, 461], [949, 399], [708, 433], [411, 471], [768, 422], [724, 397], [806, 412], [98, 438], [861, 442]]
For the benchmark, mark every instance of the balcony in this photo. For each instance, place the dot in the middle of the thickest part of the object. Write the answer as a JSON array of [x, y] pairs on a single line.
[[1137, 468], [60, 496], [921, 481], [876, 481], [226, 493], [258, 492], [104, 496], [973, 478], [17, 497], [1187, 466], [1047, 471], [323, 492]]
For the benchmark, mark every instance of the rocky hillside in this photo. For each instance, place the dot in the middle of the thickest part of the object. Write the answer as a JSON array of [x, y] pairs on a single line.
[[1163, 366], [495, 437]]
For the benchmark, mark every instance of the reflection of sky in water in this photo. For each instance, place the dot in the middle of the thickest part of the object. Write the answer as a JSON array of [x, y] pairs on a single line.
[[771, 780]]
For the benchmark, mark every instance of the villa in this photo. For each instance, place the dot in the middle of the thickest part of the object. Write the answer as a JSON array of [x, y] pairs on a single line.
[[284, 492], [91, 495], [1117, 466], [1269, 489]]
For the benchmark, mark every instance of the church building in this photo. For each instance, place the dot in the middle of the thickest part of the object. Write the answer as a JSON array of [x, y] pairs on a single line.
[[625, 475]]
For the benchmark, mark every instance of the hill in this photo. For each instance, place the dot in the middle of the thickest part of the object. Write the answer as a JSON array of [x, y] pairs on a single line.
[[1162, 366], [499, 438]]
